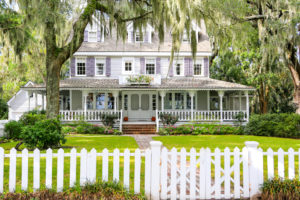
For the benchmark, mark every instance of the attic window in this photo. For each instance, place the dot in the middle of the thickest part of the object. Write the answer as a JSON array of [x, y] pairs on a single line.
[[185, 37], [92, 36]]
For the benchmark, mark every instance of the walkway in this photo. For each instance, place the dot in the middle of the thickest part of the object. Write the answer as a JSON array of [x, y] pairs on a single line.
[[142, 140]]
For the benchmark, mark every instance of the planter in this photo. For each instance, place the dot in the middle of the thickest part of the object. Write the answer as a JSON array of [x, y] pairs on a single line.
[[153, 119], [125, 119], [143, 83]]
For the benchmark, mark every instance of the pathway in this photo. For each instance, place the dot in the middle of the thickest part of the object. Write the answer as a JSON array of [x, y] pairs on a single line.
[[142, 140]]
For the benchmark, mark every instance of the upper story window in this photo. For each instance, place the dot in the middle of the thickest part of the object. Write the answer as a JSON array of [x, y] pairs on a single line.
[[100, 67], [92, 36], [198, 68], [80, 66], [150, 66], [128, 64], [185, 37], [178, 68], [138, 37]]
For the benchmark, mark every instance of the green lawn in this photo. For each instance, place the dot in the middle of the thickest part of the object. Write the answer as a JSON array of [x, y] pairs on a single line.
[[223, 141]]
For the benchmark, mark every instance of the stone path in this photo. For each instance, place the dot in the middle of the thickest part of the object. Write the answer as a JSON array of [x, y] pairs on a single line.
[[142, 140]]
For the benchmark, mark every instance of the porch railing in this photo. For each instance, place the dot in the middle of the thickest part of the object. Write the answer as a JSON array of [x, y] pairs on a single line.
[[89, 115], [199, 115]]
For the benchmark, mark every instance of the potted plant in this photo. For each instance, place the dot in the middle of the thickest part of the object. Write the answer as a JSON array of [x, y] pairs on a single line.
[[153, 119], [126, 119]]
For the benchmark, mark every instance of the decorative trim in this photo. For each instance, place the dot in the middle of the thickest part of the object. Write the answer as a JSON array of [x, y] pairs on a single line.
[[135, 53]]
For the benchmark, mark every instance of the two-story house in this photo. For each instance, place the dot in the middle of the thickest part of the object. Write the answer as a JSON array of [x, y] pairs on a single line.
[[134, 79]]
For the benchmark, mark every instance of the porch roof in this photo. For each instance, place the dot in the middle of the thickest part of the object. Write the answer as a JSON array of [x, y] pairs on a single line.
[[174, 83]]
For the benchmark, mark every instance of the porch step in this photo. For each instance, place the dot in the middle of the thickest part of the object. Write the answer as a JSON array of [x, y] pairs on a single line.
[[139, 129]]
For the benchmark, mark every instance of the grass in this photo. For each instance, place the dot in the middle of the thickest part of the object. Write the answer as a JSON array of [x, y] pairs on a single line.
[[223, 141]]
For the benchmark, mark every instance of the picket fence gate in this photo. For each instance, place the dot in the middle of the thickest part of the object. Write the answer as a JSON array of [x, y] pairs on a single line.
[[167, 175]]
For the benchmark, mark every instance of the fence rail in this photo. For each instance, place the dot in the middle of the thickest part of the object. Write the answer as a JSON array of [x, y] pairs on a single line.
[[202, 115], [169, 174]]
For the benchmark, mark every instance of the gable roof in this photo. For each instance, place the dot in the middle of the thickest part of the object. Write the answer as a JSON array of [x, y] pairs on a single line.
[[28, 84]]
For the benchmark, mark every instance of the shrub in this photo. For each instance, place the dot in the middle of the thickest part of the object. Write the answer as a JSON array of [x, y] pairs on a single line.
[[109, 119], [280, 189], [3, 109], [67, 129], [168, 119], [30, 118], [43, 134], [278, 125], [13, 129]]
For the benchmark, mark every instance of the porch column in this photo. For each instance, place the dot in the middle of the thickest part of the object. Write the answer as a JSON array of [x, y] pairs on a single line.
[[28, 95], [247, 105], [115, 95], [71, 100], [36, 100], [240, 100], [192, 94], [221, 94], [208, 100], [85, 95], [162, 94]]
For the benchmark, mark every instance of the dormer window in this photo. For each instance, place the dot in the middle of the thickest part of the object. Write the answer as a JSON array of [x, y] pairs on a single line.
[[185, 37], [198, 68], [80, 67], [138, 37], [92, 36], [100, 67], [150, 66]]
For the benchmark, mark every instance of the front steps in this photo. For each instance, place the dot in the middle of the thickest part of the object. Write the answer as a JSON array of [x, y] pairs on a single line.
[[139, 128]]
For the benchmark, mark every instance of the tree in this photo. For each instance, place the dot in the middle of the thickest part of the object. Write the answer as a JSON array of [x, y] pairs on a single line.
[[268, 27]]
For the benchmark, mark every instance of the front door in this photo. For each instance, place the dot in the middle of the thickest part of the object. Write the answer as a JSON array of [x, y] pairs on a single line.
[[141, 105]]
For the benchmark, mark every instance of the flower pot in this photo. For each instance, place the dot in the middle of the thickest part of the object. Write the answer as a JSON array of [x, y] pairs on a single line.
[[125, 119], [153, 119]]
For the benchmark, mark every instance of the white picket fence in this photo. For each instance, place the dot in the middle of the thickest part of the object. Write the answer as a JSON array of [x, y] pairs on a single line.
[[167, 174]]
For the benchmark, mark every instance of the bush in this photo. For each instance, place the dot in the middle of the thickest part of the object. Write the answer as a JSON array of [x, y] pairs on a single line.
[[280, 189], [43, 134], [67, 129], [3, 109], [98, 190], [30, 118], [13, 130], [278, 125], [109, 119], [168, 119]]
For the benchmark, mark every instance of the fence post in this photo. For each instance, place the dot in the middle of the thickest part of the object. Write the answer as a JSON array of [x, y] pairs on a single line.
[[255, 168], [155, 168]]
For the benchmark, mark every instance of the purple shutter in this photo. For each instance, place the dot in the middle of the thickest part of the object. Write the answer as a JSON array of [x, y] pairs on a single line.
[[98, 35], [206, 67], [146, 38], [170, 69], [72, 66], [142, 65], [186, 66], [85, 39], [108, 66], [191, 67], [158, 65], [90, 66]]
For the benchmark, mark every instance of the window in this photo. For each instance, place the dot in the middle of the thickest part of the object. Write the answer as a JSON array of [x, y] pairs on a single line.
[[80, 66], [128, 65], [185, 37], [138, 37], [110, 101], [100, 101], [178, 68], [150, 66], [92, 36], [100, 67], [168, 101], [154, 102], [189, 103], [179, 101], [125, 102], [89, 101], [198, 68]]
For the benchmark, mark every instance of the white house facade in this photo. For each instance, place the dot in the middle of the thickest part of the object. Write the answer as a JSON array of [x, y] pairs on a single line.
[[135, 80]]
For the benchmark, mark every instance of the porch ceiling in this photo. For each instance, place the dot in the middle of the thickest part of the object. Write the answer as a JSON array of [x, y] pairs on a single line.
[[174, 83]]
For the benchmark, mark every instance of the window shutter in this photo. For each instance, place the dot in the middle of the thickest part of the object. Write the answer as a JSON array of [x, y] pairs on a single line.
[[142, 65], [186, 66], [72, 67], [108, 66], [146, 38], [86, 33], [90, 66], [206, 67], [98, 35], [158, 65]]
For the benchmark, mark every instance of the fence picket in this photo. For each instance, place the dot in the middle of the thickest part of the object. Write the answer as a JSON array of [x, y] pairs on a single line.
[[183, 173], [60, 170], [208, 174], [12, 170], [137, 171], [116, 167], [147, 173], [164, 173], [83, 164], [1, 169], [126, 168], [202, 173], [174, 174], [49, 169], [270, 163], [192, 174], [36, 169], [260, 160], [280, 163], [291, 163], [73, 161], [227, 173], [105, 165], [91, 167], [236, 168], [246, 192], [217, 173], [24, 185]]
